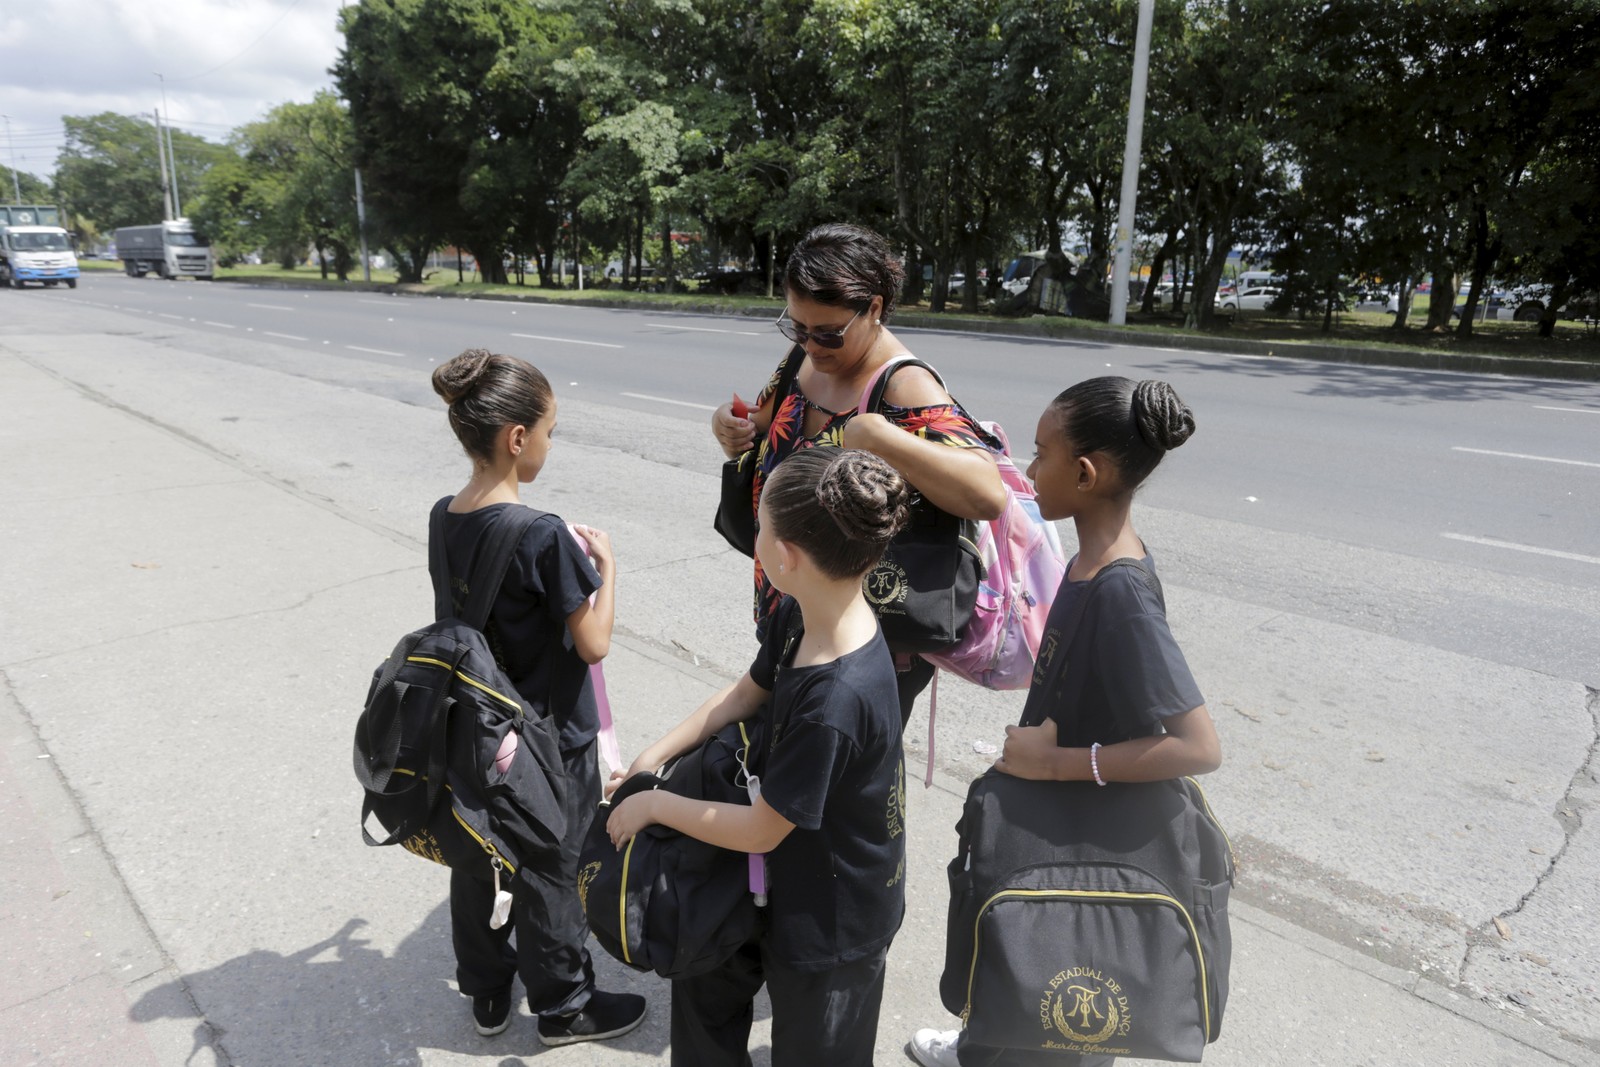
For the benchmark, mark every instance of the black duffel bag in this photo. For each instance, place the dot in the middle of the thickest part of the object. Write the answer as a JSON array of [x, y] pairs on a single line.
[[667, 902], [736, 507], [1089, 920]]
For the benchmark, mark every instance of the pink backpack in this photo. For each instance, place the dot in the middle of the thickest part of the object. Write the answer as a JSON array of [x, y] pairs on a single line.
[[1022, 568]]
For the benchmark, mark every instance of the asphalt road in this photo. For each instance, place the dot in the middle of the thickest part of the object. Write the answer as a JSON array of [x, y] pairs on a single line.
[[1496, 475], [1409, 722]]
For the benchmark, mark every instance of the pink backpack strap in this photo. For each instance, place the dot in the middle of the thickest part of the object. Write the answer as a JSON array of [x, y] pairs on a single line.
[[597, 678], [933, 710]]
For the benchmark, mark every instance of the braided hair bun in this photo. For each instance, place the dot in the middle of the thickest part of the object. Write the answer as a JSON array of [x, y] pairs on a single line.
[[1164, 421], [458, 377], [866, 497]]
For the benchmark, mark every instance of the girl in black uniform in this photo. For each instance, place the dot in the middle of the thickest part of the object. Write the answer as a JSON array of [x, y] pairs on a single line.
[[830, 809], [1126, 709], [545, 632]]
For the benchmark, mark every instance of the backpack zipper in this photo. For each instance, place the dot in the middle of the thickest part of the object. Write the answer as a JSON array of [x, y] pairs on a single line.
[[622, 902], [1091, 894], [1233, 858], [488, 846], [430, 661]]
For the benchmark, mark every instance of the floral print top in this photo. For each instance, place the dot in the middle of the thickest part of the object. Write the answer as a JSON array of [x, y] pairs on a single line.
[[945, 424]]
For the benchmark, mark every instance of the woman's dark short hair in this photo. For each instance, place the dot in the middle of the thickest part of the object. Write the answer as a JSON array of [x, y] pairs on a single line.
[[845, 266], [1134, 423], [840, 507], [487, 392]]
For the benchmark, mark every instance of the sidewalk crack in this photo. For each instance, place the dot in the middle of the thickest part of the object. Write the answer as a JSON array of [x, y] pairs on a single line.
[[1569, 814]]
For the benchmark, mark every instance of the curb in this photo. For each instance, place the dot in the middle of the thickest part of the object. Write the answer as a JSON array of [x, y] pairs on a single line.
[[1364, 355]]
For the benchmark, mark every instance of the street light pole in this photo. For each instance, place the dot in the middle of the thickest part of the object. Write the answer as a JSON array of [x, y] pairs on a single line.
[[361, 228], [177, 204], [1130, 165], [16, 185], [161, 155]]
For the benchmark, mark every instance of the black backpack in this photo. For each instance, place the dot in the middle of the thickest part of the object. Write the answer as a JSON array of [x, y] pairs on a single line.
[[667, 902], [454, 767], [1089, 920]]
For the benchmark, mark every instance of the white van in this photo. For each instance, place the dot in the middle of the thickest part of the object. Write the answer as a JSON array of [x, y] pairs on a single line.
[[40, 254]]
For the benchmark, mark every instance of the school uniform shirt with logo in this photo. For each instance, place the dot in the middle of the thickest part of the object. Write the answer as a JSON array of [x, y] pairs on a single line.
[[549, 577], [833, 767], [1119, 673]]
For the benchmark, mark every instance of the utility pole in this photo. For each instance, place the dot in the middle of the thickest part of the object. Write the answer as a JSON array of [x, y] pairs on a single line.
[[361, 229], [16, 186], [1130, 165], [177, 204], [161, 154]]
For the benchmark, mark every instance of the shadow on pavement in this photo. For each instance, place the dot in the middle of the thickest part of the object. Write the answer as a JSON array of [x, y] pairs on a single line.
[[1393, 384], [341, 1001]]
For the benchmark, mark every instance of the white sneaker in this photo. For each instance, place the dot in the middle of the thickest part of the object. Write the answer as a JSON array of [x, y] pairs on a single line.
[[935, 1048]]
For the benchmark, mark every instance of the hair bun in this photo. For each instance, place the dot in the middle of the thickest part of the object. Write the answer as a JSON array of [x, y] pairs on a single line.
[[458, 377], [1164, 420], [866, 497]]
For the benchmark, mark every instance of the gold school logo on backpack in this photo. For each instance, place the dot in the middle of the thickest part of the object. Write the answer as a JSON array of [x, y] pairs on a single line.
[[885, 587], [1086, 1007], [585, 877]]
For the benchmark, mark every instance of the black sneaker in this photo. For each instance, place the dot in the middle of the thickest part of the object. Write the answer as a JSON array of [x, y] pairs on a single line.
[[491, 1015], [606, 1015]]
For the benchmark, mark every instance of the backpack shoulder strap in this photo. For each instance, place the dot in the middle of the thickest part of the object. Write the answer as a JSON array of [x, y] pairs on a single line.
[[872, 395], [495, 556], [788, 371], [438, 563]]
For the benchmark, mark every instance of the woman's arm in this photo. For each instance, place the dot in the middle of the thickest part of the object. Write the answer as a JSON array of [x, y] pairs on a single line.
[[732, 703], [1189, 746], [752, 828], [590, 625], [963, 481]]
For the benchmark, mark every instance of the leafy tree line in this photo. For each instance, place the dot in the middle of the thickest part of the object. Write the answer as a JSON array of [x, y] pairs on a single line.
[[1398, 139]]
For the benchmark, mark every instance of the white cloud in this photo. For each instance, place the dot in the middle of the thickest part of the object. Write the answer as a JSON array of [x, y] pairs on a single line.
[[226, 62]]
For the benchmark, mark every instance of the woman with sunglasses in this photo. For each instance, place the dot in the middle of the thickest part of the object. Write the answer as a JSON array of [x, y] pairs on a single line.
[[841, 283]]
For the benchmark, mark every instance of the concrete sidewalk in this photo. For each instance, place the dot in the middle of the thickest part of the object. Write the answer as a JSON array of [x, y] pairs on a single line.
[[185, 638]]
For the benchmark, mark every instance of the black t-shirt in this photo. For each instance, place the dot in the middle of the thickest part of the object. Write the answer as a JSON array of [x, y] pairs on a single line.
[[1119, 672], [834, 767], [549, 577]]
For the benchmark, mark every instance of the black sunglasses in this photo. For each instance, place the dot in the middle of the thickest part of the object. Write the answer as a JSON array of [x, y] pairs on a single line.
[[823, 338]]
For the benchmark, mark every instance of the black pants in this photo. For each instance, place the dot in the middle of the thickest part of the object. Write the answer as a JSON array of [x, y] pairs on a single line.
[[550, 955], [910, 683], [819, 1018]]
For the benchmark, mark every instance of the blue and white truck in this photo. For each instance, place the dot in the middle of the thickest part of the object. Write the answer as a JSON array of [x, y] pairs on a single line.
[[35, 248]]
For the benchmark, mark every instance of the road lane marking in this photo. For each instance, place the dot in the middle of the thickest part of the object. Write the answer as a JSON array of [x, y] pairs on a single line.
[[169, 315], [1513, 546], [669, 400], [564, 340], [224, 325], [704, 329], [286, 336], [1580, 411], [1521, 455], [380, 303], [376, 351], [270, 307]]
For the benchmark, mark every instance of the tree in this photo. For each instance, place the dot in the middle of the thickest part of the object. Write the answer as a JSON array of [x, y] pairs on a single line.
[[109, 171]]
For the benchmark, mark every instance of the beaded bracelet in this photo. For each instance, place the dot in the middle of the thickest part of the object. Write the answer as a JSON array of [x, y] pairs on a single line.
[[1094, 763]]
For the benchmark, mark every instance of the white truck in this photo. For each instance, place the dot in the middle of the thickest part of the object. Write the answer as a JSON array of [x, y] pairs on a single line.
[[34, 247], [172, 249]]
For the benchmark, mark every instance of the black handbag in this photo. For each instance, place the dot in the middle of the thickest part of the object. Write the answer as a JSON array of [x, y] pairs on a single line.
[[667, 902], [1089, 920], [925, 588], [736, 509]]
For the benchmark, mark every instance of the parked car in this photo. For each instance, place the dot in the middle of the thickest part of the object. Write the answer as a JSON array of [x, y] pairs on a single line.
[[1255, 299]]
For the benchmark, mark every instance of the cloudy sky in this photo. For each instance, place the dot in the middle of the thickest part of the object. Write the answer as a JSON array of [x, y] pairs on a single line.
[[226, 62]]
